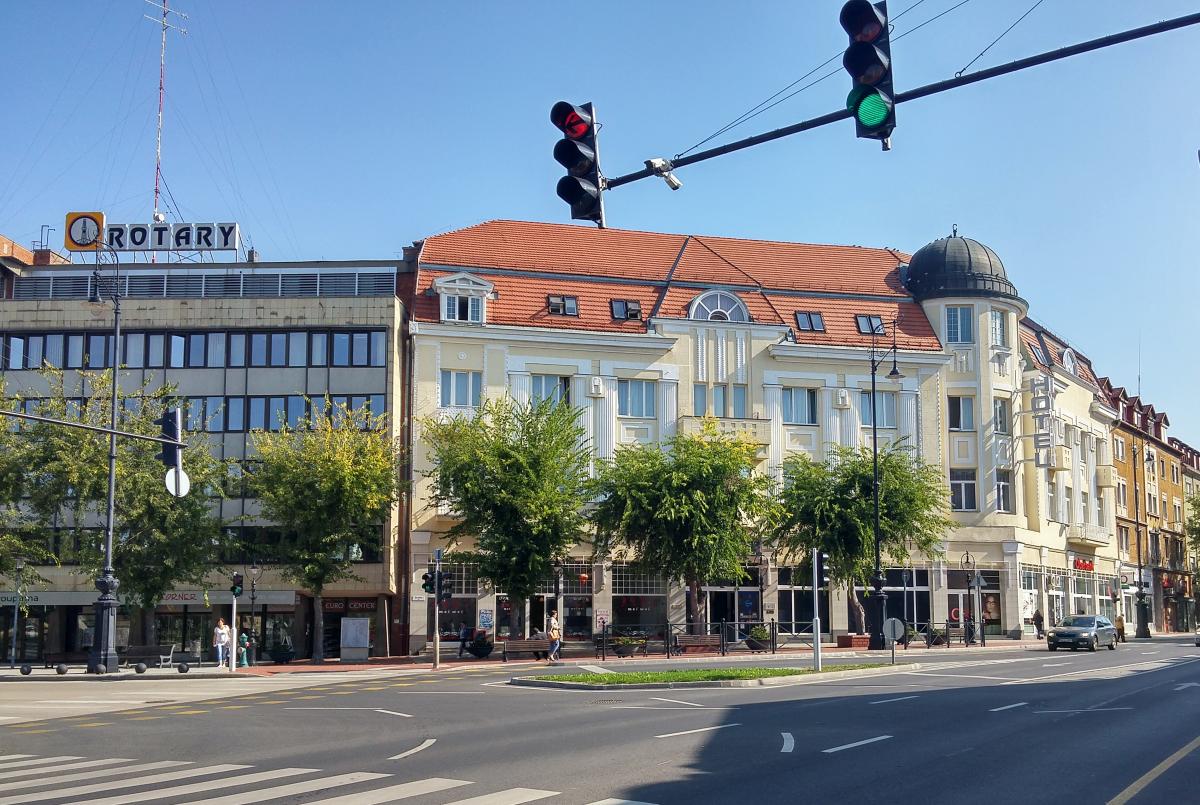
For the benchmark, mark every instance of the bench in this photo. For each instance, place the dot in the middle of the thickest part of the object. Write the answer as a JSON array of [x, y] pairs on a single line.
[[524, 646], [160, 654], [703, 642]]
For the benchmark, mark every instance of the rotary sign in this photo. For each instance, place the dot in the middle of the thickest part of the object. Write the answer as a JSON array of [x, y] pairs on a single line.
[[1042, 404], [89, 232]]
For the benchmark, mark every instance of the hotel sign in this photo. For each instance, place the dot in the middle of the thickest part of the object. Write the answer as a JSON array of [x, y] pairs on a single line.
[[89, 232], [1042, 405]]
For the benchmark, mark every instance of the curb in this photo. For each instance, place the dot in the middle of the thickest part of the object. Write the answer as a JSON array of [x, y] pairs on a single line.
[[807, 678]]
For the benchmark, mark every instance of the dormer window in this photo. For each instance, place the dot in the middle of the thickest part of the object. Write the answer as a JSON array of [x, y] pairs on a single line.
[[870, 324], [626, 309], [810, 322], [719, 306], [463, 298], [562, 305]]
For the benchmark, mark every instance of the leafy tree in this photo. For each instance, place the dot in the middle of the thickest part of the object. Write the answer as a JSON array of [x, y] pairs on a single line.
[[15, 531], [326, 486], [828, 505], [516, 476], [160, 541], [1191, 529], [688, 509]]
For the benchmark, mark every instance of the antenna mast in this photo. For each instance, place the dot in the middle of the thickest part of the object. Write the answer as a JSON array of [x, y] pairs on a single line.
[[162, 80]]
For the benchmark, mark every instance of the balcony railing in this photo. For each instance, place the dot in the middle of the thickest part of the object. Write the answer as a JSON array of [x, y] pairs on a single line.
[[1088, 534], [756, 430]]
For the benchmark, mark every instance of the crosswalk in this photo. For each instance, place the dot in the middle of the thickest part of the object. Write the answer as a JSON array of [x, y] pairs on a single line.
[[61, 779]]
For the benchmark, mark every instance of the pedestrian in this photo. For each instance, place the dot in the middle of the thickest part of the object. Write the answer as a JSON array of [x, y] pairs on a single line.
[[555, 639], [1120, 624], [464, 634], [1038, 623], [220, 641]]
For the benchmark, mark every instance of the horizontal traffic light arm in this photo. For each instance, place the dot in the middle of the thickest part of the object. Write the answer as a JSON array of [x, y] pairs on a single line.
[[921, 92], [123, 434]]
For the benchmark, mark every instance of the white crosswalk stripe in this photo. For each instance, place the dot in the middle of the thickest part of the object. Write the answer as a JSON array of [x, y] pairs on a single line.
[[32, 779]]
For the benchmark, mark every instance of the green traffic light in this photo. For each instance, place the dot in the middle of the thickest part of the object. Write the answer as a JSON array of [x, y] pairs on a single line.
[[872, 110]]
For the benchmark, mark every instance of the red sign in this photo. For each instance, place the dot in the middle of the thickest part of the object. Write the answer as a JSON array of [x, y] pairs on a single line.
[[1085, 564]]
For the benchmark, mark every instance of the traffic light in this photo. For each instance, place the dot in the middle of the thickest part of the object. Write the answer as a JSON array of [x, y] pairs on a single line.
[[171, 427], [236, 587], [579, 153], [445, 588], [823, 569], [868, 60], [427, 582]]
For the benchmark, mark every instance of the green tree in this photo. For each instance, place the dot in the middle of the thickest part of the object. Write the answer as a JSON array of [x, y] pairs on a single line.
[[18, 541], [160, 541], [828, 505], [1191, 530], [688, 510], [516, 476], [328, 487]]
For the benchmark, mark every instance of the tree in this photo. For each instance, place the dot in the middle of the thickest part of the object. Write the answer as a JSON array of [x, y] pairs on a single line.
[[828, 506], [327, 486], [17, 539], [687, 510], [516, 476], [160, 541], [1191, 530]]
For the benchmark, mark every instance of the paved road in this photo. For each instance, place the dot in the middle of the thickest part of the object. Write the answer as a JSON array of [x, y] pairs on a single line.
[[1014, 726]]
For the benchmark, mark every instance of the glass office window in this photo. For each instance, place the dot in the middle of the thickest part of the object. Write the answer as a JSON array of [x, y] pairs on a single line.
[[278, 412], [154, 350], [317, 357], [318, 409], [258, 349], [54, 350], [135, 350], [341, 349], [235, 414], [216, 350], [278, 349], [194, 415], [378, 404], [16, 352], [74, 351], [196, 351], [215, 409], [95, 352], [175, 355], [33, 352], [361, 349], [379, 349], [295, 411], [258, 413], [237, 349], [297, 354]]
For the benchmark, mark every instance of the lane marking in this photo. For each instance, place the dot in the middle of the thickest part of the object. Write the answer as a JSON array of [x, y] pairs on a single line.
[[1148, 653], [37, 761], [93, 774], [961, 676], [280, 791], [1105, 669], [1140, 783], [614, 802], [1007, 707], [1187, 685], [856, 743], [1093, 710], [393, 713], [1054, 664], [181, 791], [690, 732], [368, 709], [82, 764], [425, 744], [393, 792], [513, 796], [897, 699], [131, 782], [789, 743], [675, 701]]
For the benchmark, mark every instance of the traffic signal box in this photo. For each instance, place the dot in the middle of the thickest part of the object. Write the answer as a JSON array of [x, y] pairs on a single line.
[[868, 60], [579, 153]]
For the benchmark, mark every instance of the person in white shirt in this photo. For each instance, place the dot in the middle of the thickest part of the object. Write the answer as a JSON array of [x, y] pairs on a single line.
[[220, 641]]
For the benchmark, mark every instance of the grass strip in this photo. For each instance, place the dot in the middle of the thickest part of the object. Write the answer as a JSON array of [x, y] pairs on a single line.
[[691, 675]]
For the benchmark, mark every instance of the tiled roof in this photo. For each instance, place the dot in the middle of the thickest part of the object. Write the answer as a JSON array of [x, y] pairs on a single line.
[[1053, 347]]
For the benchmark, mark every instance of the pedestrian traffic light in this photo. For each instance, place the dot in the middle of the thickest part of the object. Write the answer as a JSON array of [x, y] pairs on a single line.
[[868, 60], [236, 587], [579, 153], [427, 582], [171, 427], [445, 588], [823, 568]]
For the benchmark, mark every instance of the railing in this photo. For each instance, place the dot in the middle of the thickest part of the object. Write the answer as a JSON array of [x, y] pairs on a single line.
[[648, 639], [794, 633]]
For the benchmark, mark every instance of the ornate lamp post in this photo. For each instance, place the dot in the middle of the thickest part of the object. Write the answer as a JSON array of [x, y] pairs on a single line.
[[12, 651], [252, 644], [877, 605], [1143, 614]]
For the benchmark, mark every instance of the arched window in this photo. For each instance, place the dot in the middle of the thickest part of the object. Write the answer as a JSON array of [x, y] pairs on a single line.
[[1068, 360], [719, 306]]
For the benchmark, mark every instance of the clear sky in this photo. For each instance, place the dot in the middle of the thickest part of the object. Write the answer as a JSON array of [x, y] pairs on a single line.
[[350, 129]]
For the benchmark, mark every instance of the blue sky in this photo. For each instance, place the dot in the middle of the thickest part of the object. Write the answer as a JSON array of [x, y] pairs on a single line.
[[348, 130]]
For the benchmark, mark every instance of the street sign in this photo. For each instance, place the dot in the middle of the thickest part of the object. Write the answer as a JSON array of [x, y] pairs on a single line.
[[485, 619], [437, 555], [177, 482], [893, 628]]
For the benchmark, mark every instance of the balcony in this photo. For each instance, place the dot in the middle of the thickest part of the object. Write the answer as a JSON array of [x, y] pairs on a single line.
[[757, 431], [1088, 534], [1106, 476]]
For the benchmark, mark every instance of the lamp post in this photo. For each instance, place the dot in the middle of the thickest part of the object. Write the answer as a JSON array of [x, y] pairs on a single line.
[[877, 606], [103, 655], [1143, 616], [19, 567], [252, 644]]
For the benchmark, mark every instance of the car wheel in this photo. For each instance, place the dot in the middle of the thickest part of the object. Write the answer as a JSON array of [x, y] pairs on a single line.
[[1095, 644], [1051, 647], [1074, 648]]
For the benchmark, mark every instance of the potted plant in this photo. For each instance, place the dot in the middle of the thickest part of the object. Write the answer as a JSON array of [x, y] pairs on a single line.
[[759, 638], [479, 646], [625, 646]]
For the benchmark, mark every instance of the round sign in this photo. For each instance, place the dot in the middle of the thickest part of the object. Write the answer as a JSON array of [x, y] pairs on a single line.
[[177, 482], [84, 230], [893, 628]]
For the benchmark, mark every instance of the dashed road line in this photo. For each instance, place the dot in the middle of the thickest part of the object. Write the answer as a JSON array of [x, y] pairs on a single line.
[[675, 701], [1007, 707], [690, 732], [877, 738], [897, 699]]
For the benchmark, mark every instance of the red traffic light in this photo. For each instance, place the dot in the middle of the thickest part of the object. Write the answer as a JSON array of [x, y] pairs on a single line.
[[571, 120], [576, 157], [865, 63], [862, 21]]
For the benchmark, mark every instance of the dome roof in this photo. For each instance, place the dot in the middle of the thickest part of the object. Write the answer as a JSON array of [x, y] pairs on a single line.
[[957, 266]]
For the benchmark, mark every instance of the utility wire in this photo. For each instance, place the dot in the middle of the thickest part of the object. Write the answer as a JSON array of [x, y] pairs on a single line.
[[771, 102], [998, 38]]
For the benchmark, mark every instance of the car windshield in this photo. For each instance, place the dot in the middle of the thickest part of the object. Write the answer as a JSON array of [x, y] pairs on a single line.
[[1078, 620]]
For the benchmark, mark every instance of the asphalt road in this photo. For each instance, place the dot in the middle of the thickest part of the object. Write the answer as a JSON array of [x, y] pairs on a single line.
[[1022, 726]]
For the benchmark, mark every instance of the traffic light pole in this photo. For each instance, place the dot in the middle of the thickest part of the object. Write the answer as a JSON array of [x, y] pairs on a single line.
[[816, 596], [922, 92], [233, 643], [437, 604]]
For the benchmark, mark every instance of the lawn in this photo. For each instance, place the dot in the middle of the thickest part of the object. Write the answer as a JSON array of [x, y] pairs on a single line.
[[691, 675]]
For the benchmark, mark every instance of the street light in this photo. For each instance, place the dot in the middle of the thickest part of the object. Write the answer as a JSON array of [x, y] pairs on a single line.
[[103, 655], [877, 609], [1143, 616], [19, 568], [252, 643]]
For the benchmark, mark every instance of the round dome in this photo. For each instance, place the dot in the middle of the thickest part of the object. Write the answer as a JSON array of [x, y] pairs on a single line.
[[957, 266]]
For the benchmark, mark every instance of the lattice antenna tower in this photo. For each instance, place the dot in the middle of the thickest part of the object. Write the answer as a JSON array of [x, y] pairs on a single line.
[[165, 23]]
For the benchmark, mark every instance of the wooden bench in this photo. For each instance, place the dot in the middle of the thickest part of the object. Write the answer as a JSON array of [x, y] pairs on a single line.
[[703, 642], [160, 654], [524, 647]]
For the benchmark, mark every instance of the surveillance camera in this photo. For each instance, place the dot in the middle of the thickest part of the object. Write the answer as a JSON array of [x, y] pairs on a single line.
[[159, 217], [663, 167], [672, 180]]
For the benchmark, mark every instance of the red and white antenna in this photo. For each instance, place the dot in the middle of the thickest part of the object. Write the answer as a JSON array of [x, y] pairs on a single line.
[[162, 82]]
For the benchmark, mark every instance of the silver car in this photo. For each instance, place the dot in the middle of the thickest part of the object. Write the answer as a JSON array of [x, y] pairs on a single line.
[[1082, 631]]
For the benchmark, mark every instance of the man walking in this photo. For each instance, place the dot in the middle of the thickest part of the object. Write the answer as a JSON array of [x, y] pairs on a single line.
[[464, 634], [1038, 623], [220, 641]]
